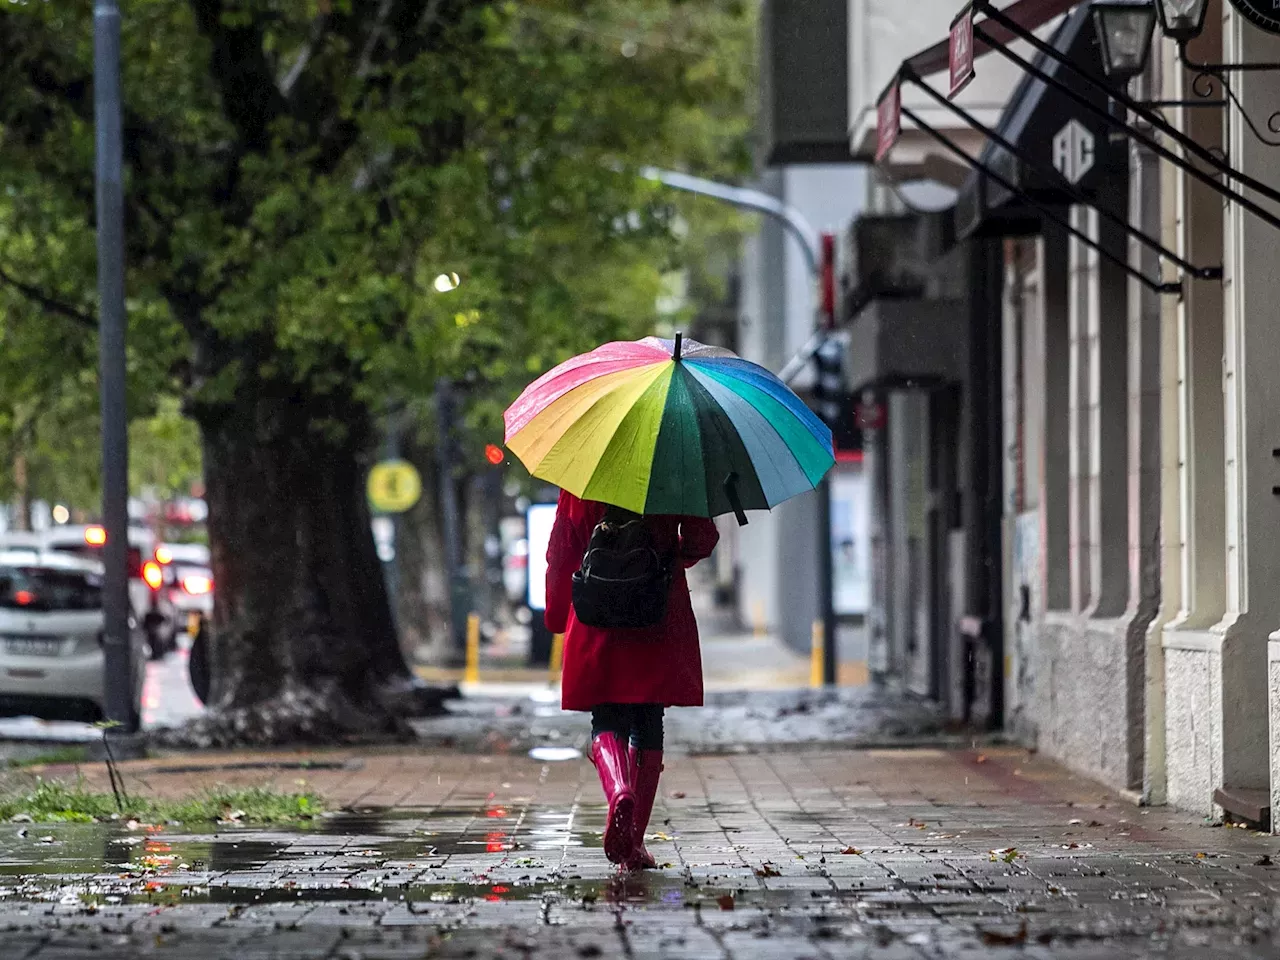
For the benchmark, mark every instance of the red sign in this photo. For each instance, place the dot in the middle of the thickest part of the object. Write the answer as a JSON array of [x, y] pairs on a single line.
[[961, 51], [870, 416], [828, 280], [888, 120]]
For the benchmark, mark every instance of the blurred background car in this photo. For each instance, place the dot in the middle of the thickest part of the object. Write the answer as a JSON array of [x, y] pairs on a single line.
[[188, 581], [146, 578], [19, 540], [51, 637]]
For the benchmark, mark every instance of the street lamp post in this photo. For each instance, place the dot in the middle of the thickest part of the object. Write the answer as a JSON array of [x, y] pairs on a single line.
[[802, 231], [111, 362]]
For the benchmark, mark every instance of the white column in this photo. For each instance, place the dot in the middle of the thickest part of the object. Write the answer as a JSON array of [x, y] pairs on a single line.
[[1083, 286], [1193, 573], [1251, 387]]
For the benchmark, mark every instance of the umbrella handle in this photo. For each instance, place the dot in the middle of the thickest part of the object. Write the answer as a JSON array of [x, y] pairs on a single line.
[[675, 353], [731, 491]]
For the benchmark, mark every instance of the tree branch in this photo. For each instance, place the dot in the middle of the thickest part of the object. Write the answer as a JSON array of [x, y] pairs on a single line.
[[49, 303], [250, 98], [304, 55]]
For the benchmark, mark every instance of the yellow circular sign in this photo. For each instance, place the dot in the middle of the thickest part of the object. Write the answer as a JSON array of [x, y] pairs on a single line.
[[394, 486]]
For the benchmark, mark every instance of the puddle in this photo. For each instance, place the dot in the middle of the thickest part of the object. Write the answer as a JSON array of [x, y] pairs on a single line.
[[461, 854], [441, 855], [554, 754]]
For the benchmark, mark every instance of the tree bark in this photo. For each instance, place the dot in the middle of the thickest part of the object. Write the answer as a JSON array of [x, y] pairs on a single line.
[[22, 491], [303, 648]]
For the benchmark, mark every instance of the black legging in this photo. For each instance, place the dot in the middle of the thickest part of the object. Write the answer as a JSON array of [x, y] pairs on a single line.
[[641, 723]]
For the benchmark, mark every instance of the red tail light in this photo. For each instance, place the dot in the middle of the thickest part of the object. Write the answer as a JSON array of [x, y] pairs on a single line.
[[24, 598], [95, 536], [152, 573], [197, 586], [163, 556]]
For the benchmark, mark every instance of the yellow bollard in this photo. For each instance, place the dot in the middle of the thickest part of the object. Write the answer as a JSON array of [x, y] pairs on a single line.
[[557, 659], [473, 649], [816, 655]]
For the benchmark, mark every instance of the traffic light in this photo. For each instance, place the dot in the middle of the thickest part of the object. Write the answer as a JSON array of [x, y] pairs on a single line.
[[828, 385], [831, 400]]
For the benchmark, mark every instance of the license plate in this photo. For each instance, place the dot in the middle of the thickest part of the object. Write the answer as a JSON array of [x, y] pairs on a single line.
[[32, 646]]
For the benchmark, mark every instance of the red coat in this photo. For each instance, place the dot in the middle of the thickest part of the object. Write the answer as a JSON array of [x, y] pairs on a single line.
[[661, 664]]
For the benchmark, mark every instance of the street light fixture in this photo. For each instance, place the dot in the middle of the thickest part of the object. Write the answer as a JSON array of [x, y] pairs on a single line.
[[1124, 29], [1181, 20]]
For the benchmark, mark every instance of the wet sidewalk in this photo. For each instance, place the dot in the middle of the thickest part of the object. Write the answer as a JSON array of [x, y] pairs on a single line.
[[786, 852]]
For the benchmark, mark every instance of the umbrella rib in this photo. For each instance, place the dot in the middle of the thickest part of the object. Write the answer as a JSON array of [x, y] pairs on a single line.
[[786, 409], [778, 439]]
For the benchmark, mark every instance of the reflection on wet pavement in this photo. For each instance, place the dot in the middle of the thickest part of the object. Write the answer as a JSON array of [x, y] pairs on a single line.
[[902, 854], [433, 857]]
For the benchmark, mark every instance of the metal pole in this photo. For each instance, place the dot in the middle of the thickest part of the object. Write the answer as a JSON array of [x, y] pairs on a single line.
[[452, 534], [111, 362], [826, 586], [746, 198], [391, 568]]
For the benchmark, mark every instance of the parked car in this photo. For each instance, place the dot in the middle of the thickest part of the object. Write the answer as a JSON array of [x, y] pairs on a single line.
[[51, 637], [146, 578], [189, 582]]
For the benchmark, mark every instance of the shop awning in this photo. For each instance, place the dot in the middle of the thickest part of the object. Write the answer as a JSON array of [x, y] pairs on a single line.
[[1031, 14], [1060, 144]]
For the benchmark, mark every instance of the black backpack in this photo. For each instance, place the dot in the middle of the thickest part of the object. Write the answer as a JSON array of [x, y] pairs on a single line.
[[624, 582]]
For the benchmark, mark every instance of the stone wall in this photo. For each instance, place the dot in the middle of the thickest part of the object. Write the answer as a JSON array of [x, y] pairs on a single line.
[[1088, 716]]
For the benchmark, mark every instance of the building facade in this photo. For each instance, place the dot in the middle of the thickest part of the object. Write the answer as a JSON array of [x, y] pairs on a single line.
[[1130, 625]]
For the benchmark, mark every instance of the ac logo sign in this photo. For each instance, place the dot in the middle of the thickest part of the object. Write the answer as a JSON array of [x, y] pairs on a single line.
[[1073, 151]]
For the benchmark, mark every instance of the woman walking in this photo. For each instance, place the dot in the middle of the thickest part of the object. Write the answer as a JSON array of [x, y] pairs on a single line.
[[627, 677]]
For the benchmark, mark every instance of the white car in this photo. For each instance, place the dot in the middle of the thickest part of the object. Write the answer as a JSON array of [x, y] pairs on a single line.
[[146, 577], [189, 583], [51, 628]]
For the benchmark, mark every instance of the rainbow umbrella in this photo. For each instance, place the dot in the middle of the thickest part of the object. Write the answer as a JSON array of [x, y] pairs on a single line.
[[669, 427]]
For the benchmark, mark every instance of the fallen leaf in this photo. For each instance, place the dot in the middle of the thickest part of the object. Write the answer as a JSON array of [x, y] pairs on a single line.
[[982, 758], [854, 851], [726, 902], [1075, 822], [768, 870], [659, 836], [996, 938], [678, 795], [1263, 861]]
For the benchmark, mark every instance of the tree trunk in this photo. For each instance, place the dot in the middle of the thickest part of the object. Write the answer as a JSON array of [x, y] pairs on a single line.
[[22, 492], [303, 648]]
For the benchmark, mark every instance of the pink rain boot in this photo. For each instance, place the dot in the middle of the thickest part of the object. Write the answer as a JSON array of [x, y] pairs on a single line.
[[646, 769], [609, 754]]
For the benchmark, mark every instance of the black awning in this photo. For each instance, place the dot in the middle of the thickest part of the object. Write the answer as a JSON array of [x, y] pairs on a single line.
[[1052, 132]]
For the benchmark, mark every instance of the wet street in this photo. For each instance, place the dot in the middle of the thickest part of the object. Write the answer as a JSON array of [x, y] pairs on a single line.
[[487, 845]]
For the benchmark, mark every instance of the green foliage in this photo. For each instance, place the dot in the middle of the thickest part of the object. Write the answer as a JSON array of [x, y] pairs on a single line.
[[299, 174], [51, 801]]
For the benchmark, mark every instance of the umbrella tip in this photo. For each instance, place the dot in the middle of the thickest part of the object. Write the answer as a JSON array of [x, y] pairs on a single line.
[[675, 354]]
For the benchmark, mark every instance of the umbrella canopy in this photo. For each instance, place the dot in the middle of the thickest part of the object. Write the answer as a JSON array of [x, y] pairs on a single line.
[[669, 427]]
